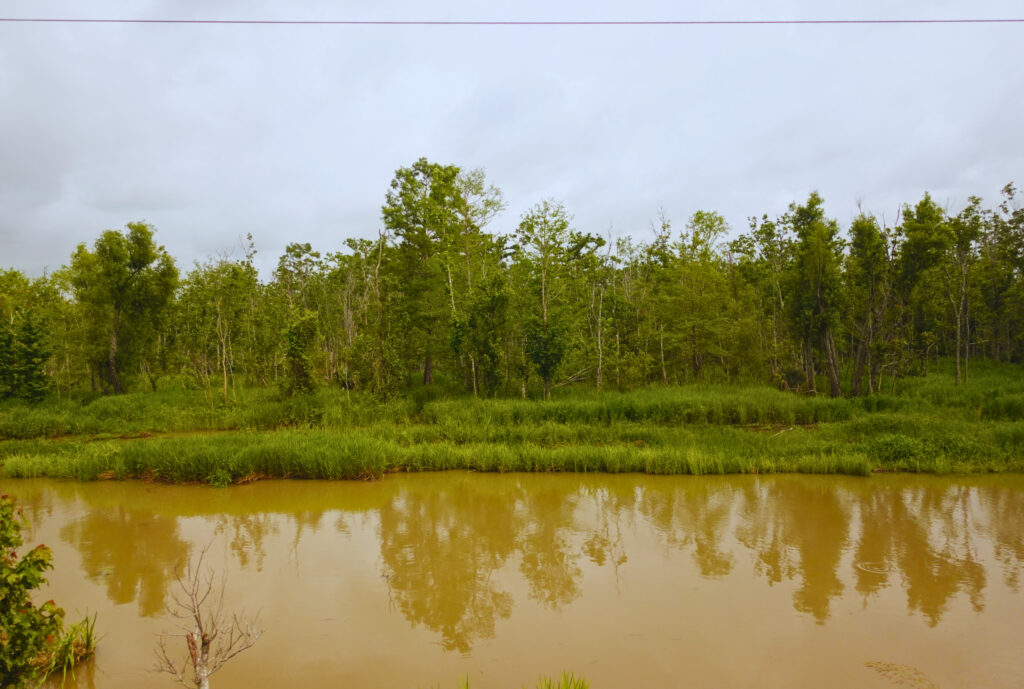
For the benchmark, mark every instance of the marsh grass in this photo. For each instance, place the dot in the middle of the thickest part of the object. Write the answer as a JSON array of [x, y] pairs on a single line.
[[926, 425], [76, 645]]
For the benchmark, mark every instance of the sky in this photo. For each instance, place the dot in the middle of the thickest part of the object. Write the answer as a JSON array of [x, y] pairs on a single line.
[[293, 133]]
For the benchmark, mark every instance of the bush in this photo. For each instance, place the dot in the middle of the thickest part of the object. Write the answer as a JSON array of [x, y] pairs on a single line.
[[32, 637]]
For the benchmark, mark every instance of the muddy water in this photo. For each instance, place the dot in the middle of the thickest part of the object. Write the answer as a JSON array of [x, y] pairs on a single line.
[[632, 581]]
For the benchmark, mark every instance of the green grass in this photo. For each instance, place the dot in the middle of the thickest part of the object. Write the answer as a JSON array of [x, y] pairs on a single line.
[[925, 425]]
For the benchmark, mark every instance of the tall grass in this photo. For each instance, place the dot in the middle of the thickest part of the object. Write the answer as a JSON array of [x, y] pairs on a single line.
[[928, 424]]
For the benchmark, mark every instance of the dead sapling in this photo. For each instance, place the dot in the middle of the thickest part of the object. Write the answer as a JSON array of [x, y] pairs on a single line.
[[211, 636]]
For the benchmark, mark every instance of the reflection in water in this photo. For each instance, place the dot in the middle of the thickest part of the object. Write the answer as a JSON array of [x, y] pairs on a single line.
[[549, 559], [461, 552], [694, 514], [935, 551], [134, 552], [246, 534], [797, 529], [1005, 526], [441, 547]]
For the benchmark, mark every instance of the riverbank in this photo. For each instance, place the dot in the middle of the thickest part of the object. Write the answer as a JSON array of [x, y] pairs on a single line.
[[924, 425]]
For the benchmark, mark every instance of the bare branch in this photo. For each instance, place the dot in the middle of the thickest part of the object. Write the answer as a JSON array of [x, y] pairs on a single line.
[[210, 639]]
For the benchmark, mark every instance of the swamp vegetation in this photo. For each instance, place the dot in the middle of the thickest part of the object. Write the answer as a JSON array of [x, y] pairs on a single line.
[[928, 425]]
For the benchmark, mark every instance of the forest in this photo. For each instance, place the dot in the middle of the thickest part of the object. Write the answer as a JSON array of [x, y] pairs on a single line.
[[439, 300]]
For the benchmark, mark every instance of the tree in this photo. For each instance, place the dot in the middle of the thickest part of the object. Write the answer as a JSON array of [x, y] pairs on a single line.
[[300, 339], [483, 332], [214, 307], [923, 238], [551, 251], [964, 231], [31, 352], [123, 284], [211, 636], [814, 283], [437, 214], [698, 292], [868, 278], [25, 347], [421, 209]]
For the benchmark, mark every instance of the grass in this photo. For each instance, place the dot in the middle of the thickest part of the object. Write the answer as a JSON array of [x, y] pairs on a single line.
[[925, 425], [76, 645]]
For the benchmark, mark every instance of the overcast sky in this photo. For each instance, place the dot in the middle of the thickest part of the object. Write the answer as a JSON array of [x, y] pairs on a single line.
[[293, 133]]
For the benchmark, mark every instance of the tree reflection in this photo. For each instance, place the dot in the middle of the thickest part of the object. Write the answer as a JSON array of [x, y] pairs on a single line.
[[935, 550], [693, 513], [134, 552], [1005, 525], [440, 549], [549, 562], [245, 534], [798, 529]]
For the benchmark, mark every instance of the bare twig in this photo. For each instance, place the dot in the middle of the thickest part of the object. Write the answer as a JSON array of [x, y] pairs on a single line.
[[212, 639]]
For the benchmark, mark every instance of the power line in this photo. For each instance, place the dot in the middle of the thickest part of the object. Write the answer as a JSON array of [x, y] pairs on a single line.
[[501, 22]]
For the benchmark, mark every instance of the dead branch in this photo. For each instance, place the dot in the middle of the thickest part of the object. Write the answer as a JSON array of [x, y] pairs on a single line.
[[212, 638]]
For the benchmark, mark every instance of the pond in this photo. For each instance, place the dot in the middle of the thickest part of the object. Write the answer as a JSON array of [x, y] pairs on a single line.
[[629, 580]]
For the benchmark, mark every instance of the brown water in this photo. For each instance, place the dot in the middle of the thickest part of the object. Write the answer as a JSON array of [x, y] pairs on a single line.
[[631, 581]]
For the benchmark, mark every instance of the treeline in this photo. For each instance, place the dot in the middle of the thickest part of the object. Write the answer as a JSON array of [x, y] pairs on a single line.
[[437, 299]]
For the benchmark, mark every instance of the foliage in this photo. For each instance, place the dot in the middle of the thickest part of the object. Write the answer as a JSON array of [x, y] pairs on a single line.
[[928, 425], [794, 301], [32, 637], [124, 284], [300, 337]]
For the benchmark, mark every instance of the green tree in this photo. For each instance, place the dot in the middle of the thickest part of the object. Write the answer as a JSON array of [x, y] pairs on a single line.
[[698, 294], [300, 340], [31, 353], [815, 287], [868, 278], [421, 210], [483, 332], [7, 387], [123, 284], [964, 232], [552, 253], [922, 241], [214, 309]]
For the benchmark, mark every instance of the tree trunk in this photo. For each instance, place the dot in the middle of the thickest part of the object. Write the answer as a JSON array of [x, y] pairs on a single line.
[[600, 349], [832, 361], [115, 379], [661, 346], [428, 370], [859, 362], [809, 367]]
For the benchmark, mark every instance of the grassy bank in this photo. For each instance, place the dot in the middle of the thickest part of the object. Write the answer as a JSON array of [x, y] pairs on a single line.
[[925, 424]]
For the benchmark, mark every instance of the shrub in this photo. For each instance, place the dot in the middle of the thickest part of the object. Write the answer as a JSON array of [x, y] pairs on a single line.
[[32, 638]]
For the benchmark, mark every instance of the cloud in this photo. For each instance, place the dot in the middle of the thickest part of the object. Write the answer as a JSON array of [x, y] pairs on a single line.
[[293, 133]]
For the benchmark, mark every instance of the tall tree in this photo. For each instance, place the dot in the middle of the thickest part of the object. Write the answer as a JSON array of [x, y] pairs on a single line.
[[815, 287], [867, 278], [124, 283], [421, 210], [553, 253], [964, 231], [922, 239]]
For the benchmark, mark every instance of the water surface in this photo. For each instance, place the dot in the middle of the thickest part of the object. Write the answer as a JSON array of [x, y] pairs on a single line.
[[419, 580]]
